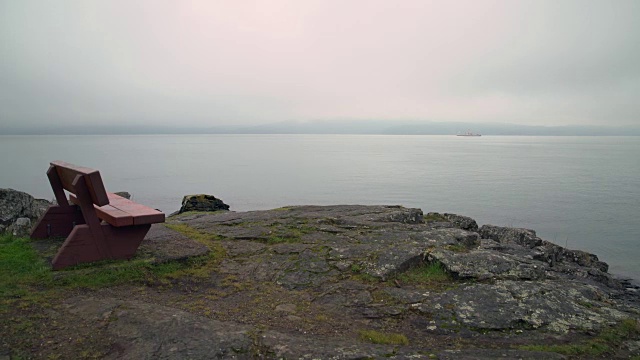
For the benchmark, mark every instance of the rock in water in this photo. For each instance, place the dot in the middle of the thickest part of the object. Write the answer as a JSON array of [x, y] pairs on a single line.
[[202, 202], [17, 204], [124, 194]]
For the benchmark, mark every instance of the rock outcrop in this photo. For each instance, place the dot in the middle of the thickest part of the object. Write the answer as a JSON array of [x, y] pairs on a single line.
[[359, 264], [18, 210], [201, 202], [317, 281]]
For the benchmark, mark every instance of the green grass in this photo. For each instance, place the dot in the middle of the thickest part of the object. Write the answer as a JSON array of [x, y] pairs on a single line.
[[203, 266], [20, 266], [425, 273], [609, 339], [193, 233], [282, 239], [378, 337], [590, 349], [457, 248], [24, 275], [356, 268], [434, 217]]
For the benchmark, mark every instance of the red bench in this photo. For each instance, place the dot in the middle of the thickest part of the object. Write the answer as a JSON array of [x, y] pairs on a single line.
[[97, 225]]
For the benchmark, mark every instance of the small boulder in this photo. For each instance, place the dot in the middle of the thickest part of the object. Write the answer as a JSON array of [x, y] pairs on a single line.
[[202, 202], [16, 204]]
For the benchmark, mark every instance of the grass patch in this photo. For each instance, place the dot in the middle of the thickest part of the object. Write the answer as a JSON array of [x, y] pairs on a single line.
[[288, 233], [195, 234], [609, 339], [378, 337], [282, 239], [590, 349], [434, 217], [425, 273], [357, 273], [365, 278], [115, 272], [458, 248], [20, 267], [25, 276], [356, 268]]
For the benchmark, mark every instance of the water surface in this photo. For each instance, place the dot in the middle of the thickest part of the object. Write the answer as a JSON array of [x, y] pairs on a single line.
[[582, 192]]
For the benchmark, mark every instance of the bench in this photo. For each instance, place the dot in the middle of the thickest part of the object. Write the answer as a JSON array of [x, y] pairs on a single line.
[[98, 225]]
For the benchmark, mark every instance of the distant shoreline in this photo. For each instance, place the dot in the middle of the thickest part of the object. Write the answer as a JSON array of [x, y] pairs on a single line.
[[347, 127], [351, 134]]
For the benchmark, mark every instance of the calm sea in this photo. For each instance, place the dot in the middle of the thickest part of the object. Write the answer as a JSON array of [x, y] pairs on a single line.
[[582, 192]]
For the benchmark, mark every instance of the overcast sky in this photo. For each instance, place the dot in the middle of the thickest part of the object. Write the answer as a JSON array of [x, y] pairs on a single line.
[[205, 63]]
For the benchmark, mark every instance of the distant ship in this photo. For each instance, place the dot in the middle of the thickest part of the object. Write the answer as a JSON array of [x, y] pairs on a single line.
[[468, 133]]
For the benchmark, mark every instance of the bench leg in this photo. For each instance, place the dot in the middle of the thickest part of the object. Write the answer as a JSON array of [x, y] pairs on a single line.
[[124, 241], [57, 221], [80, 246]]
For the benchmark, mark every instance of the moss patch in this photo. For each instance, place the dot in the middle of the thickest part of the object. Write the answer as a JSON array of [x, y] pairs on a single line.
[[425, 273], [200, 267], [434, 217], [378, 337], [193, 233], [25, 276], [458, 248], [282, 239]]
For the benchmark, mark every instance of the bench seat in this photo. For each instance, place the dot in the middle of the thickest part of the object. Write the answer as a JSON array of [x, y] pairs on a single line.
[[124, 212]]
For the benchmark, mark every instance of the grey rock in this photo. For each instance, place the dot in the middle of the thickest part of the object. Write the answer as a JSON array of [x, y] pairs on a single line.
[[21, 227], [554, 306], [163, 244], [632, 346], [490, 354], [506, 235], [288, 308], [558, 259], [149, 331], [406, 296], [412, 216], [485, 265], [17, 204], [461, 222]]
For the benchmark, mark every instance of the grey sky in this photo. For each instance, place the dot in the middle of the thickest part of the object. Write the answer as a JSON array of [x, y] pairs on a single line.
[[202, 63]]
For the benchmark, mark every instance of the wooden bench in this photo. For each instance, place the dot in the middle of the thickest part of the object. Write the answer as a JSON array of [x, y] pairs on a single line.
[[97, 225]]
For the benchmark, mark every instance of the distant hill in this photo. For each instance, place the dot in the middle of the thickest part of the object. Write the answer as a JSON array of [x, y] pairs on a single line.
[[373, 127]]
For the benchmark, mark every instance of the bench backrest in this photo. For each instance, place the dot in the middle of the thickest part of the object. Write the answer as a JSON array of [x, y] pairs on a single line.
[[67, 174]]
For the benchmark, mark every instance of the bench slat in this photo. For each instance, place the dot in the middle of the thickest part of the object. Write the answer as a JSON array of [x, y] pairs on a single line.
[[123, 212], [141, 214], [108, 213]]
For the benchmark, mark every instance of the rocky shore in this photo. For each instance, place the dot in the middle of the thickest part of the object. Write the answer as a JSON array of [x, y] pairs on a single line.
[[347, 282]]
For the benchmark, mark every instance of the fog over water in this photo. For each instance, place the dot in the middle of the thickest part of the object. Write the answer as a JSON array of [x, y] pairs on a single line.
[[212, 63]]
